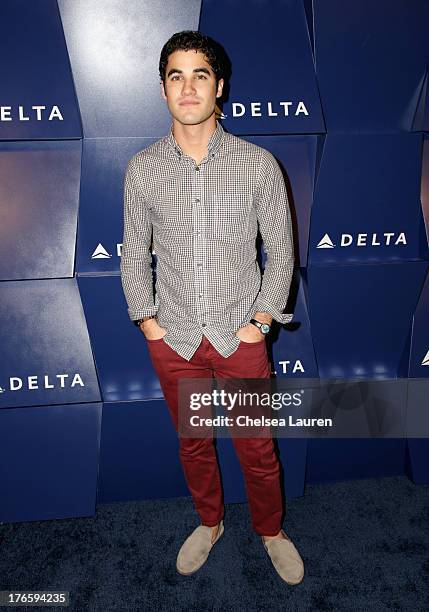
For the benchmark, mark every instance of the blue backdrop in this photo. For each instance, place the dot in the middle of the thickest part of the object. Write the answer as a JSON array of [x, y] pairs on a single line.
[[339, 97]]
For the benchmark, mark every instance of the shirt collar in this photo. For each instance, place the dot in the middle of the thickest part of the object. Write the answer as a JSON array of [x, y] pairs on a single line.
[[214, 143]]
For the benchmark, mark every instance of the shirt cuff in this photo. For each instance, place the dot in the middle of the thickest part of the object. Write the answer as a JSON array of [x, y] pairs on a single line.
[[144, 312], [261, 305]]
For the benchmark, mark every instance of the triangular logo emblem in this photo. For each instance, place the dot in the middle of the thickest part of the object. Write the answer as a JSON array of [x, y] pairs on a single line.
[[100, 252], [325, 243], [426, 359]]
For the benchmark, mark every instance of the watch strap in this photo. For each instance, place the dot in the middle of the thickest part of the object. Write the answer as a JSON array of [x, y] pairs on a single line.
[[138, 322], [259, 325]]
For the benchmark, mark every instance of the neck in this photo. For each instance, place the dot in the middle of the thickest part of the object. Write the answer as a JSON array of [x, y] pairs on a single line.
[[193, 139]]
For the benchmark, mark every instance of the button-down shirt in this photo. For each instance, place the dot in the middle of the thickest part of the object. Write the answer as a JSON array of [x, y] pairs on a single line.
[[202, 221]]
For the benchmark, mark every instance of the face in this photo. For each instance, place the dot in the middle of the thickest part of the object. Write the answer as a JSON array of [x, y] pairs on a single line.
[[190, 87]]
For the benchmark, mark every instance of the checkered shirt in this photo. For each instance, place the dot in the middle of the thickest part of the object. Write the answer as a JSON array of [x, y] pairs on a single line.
[[201, 222]]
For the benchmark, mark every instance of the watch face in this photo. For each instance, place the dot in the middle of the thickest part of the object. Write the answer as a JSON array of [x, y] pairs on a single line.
[[265, 328]]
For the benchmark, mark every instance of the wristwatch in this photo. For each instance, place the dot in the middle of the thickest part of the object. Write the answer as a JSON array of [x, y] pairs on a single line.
[[139, 321], [264, 328]]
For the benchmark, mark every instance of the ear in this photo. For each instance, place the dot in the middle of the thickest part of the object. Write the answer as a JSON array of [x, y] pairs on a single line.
[[219, 88], [163, 90]]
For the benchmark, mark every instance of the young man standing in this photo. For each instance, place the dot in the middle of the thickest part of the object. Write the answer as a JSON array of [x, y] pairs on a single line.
[[199, 194]]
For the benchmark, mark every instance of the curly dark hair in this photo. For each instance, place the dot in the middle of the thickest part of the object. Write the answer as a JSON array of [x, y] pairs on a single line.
[[189, 39]]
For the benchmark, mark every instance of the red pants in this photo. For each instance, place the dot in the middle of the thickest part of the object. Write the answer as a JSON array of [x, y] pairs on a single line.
[[256, 455]]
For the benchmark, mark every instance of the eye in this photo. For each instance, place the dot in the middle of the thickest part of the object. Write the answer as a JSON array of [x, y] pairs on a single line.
[[201, 76]]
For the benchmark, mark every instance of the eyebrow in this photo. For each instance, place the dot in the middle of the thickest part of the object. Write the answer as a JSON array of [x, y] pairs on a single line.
[[172, 70]]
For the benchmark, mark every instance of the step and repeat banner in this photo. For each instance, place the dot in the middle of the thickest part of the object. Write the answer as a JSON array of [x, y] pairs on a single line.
[[339, 98]]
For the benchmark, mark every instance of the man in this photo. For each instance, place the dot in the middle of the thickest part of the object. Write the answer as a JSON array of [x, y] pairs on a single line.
[[199, 194]]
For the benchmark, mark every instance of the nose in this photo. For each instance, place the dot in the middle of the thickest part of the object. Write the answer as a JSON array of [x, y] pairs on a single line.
[[188, 87]]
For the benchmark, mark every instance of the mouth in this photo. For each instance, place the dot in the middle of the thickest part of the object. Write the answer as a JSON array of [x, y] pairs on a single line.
[[188, 103]]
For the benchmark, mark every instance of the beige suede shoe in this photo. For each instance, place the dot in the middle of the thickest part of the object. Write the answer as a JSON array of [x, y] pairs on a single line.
[[285, 558], [196, 548]]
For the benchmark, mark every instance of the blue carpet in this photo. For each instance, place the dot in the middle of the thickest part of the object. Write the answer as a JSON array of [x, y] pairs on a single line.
[[365, 545]]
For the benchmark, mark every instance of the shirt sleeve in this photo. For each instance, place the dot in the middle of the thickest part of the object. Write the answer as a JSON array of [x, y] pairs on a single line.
[[275, 226], [136, 259]]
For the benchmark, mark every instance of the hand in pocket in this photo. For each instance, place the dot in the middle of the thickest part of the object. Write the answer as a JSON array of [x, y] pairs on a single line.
[[250, 334], [152, 330]]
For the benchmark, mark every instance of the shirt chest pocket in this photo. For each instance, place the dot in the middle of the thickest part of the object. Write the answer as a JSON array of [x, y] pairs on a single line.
[[230, 218]]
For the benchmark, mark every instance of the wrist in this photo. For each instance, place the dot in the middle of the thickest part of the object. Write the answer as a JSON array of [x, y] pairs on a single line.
[[141, 322], [263, 317], [264, 328]]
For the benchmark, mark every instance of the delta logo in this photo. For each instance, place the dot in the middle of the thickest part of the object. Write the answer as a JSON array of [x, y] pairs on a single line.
[[362, 240], [33, 383], [291, 367], [36, 112], [100, 252], [425, 361], [265, 109]]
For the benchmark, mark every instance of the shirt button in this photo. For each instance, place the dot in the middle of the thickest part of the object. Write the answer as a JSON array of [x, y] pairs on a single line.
[[197, 200], [203, 324], [197, 168]]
